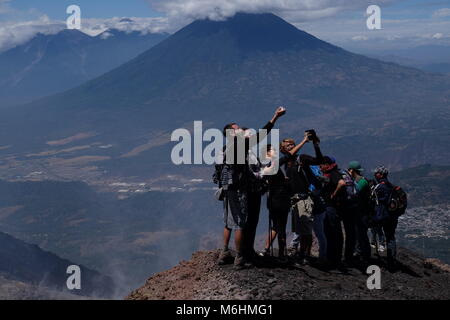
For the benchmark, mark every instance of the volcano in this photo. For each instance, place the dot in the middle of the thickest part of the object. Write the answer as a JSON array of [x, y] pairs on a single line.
[[240, 70], [48, 64]]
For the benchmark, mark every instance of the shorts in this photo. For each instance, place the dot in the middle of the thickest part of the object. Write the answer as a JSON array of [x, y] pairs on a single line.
[[302, 223], [235, 209]]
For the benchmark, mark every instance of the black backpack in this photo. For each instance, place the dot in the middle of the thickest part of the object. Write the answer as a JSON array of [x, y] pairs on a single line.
[[351, 193], [398, 201]]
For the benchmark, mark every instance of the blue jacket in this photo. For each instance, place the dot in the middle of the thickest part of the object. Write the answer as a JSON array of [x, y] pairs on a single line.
[[383, 192]]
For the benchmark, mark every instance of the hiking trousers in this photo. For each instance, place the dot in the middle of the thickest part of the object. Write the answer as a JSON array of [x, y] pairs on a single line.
[[377, 235], [319, 231], [362, 237], [334, 236], [349, 218], [254, 208], [389, 226]]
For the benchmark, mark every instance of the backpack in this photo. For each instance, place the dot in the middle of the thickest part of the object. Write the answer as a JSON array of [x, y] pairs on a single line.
[[398, 201], [216, 177], [351, 192]]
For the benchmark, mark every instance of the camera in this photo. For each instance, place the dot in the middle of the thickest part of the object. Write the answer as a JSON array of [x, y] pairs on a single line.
[[312, 136]]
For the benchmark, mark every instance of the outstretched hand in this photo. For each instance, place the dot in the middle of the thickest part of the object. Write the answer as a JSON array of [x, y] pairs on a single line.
[[306, 138], [280, 111]]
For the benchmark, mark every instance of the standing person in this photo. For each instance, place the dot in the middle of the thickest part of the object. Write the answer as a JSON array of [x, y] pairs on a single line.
[[306, 188], [278, 204], [387, 221], [333, 227], [363, 214], [289, 149], [378, 241], [346, 196], [256, 188], [233, 178]]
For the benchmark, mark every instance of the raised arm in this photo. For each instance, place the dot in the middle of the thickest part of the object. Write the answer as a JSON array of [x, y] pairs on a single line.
[[319, 155], [308, 160], [299, 146], [267, 128]]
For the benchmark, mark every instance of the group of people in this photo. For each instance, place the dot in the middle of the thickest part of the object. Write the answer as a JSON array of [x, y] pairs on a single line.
[[321, 197]]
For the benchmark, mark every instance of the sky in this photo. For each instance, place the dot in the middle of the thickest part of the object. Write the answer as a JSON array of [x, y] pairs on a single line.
[[404, 23]]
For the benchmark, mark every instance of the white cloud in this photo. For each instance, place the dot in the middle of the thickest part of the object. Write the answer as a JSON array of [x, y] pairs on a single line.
[[180, 12], [128, 24], [360, 38], [344, 31], [342, 22], [442, 13], [16, 33]]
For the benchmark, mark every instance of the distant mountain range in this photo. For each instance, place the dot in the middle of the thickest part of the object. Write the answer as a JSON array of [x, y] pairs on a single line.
[[48, 64], [151, 231], [123, 239], [116, 127], [234, 70], [430, 58], [39, 269]]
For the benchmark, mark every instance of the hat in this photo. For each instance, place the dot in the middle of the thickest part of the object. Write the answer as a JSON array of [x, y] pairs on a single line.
[[355, 165], [381, 170], [329, 160]]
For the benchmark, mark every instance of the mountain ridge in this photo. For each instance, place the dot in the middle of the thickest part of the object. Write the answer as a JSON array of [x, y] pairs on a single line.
[[47, 64], [26, 263], [201, 278]]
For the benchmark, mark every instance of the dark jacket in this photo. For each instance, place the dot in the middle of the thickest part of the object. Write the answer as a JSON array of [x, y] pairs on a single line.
[[300, 174], [234, 174], [382, 192]]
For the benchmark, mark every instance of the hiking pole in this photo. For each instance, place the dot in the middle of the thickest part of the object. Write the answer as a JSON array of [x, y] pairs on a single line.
[[377, 239], [270, 237], [377, 245]]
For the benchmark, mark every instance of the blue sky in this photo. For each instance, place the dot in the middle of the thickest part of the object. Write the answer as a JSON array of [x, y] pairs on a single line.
[[405, 23], [56, 9]]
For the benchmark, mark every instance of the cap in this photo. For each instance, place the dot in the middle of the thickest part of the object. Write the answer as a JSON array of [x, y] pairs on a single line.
[[355, 165]]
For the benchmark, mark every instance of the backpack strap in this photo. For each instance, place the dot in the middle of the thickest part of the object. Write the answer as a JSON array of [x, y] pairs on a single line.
[[283, 170], [374, 193]]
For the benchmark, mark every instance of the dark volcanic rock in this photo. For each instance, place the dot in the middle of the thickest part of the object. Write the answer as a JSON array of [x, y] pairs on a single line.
[[202, 279]]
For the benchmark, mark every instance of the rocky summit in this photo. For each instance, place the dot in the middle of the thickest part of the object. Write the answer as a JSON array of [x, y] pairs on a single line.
[[415, 278]]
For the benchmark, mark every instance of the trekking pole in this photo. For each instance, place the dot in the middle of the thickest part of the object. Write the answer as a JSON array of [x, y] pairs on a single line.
[[377, 245], [270, 237]]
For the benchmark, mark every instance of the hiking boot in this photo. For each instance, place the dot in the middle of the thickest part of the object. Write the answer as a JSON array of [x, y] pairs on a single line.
[[225, 257], [253, 256], [265, 253], [348, 263], [292, 251], [322, 263], [282, 261], [300, 260], [239, 262]]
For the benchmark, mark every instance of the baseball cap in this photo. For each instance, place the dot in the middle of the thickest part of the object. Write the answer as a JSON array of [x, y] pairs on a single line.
[[355, 165]]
